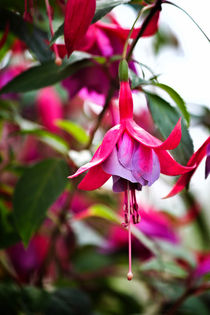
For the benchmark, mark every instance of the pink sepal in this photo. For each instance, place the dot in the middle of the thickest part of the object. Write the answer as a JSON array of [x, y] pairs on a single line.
[[107, 146], [94, 179]]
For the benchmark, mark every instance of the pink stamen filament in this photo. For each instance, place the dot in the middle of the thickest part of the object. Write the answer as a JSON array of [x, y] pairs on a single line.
[[130, 274], [58, 60]]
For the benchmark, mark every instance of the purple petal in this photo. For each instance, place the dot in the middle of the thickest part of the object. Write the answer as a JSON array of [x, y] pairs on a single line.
[[145, 164], [121, 184], [113, 167], [125, 151]]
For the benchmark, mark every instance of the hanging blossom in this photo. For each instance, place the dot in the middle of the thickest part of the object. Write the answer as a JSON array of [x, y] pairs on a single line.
[[133, 157]]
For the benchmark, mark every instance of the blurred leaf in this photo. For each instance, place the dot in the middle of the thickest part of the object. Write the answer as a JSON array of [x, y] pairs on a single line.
[[170, 267], [47, 74], [68, 301], [89, 260], [51, 139], [34, 38], [8, 232], [177, 99], [74, 129], [35, 192], [136, 81], [102, 8], [165, 117], [193, 306], [103, 212]]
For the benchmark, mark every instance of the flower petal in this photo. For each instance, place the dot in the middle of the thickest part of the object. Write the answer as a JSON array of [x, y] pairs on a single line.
[[125, 151], [94, 179], [112, 166], [148, 140], [194, 162], [146, 164], [169, 166], [105, 149]]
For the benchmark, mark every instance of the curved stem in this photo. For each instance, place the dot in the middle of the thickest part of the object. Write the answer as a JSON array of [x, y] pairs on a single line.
[[130, 33], [178, 7], [154, 9]]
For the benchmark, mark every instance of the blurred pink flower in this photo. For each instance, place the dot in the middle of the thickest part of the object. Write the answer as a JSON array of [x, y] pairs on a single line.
[[49, 108], [27, 262], [105, 40]]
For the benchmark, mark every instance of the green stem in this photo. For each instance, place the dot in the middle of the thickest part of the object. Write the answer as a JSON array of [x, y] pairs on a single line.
[[154, 9]]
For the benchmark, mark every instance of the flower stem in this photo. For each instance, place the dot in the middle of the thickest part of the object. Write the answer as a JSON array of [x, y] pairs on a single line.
[[154, 9], [130, 274], [58, 60], [130, 33]]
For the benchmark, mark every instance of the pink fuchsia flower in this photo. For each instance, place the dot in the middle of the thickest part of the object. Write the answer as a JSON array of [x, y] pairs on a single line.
[[49, 108], [133, 157], [105, 40], [195, 160], [78, 16]]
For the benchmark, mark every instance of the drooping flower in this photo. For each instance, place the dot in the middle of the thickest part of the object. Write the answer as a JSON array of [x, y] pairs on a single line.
[[195, 160], [105, 40], [133, 157], [78, 16]]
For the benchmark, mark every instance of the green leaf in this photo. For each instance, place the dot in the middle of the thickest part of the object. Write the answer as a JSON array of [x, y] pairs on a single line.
[[68, 301], [177, 99], [74, 129], [137, 81], [34, 38], [35, 192], [102, 8], [165, 117], [54, 141], [47, 74], [170, 267]]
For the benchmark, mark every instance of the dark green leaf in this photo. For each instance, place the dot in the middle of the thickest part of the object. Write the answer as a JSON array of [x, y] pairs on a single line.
[[177, 99], [165, 117], [68, 302], [36, 190], [102, 8], [34, 38], [46, 74]]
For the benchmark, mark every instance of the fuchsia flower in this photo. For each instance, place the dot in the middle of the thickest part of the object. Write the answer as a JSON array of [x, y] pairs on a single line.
[[78, 16], [195, 160], [49, 108], [133, 157]]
